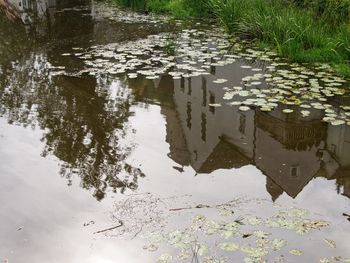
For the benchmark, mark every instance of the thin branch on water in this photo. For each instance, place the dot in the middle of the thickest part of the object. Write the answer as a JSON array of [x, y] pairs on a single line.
[[190, 207], [111, 228]]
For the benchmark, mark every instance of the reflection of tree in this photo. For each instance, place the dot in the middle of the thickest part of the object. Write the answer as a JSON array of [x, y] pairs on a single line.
[[83, 125], [85, 133], [13, 40]]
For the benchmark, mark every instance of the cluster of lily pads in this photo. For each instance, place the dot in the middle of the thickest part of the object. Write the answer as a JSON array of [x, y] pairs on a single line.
[[222, 240], [268, 82], [113, 13], [290, 85], [192, 53]]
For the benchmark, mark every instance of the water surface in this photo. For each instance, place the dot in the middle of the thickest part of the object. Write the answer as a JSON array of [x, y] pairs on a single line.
[[73, 146]]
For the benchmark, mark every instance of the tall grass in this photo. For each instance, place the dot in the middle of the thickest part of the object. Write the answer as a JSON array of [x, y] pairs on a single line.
[[177, 8], [294, 32], [333, 12], [134, 4]]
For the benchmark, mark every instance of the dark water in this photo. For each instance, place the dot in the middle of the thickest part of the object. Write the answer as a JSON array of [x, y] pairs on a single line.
[[71, 146]]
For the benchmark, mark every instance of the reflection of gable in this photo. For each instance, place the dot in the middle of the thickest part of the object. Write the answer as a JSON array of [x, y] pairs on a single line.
[[289, 150], [293, 135], [292, 188], [224, 156]]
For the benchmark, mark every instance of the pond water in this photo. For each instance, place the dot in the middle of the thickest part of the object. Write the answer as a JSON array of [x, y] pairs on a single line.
[[130, 138]]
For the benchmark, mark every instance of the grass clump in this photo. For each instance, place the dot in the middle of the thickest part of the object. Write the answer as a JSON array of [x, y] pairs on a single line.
[[177, 8], [138, 5], [332, 12]]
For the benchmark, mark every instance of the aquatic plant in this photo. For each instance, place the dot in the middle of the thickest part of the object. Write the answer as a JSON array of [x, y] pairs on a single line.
[[303, 31], [227, 238], [295, 88]]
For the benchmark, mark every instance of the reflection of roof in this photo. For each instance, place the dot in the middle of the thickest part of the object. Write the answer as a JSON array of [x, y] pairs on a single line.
[[273, 189], [291, 188], [224, 156], [293, 135]]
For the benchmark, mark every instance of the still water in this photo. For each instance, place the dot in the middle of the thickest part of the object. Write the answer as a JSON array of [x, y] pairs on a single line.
[[76, 149]]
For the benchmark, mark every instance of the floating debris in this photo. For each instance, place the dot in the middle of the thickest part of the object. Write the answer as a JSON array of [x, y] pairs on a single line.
[[330, 242], [296, 252], [287, 111], [165, 258]]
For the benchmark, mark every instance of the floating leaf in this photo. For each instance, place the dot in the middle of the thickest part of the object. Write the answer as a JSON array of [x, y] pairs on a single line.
[[244, 108], [229, 246], [220, 81], [165, 258], [337, 122], [255, 252], [296, 252], [330, 242], [253, 220], [260, 234], [278, 244], [305, 113]]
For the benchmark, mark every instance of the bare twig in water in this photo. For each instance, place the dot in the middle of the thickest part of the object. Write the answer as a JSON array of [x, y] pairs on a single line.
[[111, 228], [231, 203], [191, 207]]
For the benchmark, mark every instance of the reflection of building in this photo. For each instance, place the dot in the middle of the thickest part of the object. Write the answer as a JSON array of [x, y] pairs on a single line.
[[336, 157], [209, 130], [288, 149], [26, 10]]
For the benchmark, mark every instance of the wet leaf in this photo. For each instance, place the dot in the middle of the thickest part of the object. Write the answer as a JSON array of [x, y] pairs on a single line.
[[330, 242], [229, 246], [296, 252], [278, 244], [244, 108], [165, 258]]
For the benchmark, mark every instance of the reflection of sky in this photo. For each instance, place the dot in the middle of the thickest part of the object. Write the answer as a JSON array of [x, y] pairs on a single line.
[[319, 196], [33, 196], [51, 214]]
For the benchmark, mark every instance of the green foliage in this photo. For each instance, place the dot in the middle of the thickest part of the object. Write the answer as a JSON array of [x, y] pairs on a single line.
[[334, 12], [178, 9], [292, 31], [157, 6], [199, 8], [134, 4]]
